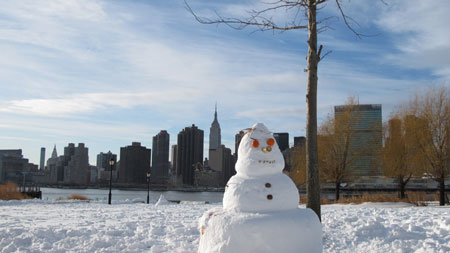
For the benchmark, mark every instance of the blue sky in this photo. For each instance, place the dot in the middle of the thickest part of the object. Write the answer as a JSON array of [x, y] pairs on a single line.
[[107, 73]]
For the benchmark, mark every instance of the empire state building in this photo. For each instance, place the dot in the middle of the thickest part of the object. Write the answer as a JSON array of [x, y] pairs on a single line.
[[214, 133]]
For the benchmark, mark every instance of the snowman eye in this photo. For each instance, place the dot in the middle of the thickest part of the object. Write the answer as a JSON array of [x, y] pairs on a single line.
[[270, 141], [255, 143]]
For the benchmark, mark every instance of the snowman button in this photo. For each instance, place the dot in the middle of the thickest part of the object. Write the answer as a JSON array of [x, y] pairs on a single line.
[[269, 197], [268, 185]]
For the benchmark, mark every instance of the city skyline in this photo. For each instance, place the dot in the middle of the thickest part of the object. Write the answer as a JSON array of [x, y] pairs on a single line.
[[110, 73]]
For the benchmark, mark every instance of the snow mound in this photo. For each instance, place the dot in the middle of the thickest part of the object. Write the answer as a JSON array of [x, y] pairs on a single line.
[[229, 232], [47, 226], [162, 201]]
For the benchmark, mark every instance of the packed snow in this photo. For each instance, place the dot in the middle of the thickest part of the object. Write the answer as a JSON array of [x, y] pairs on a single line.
[[61, 226], [259, 213]]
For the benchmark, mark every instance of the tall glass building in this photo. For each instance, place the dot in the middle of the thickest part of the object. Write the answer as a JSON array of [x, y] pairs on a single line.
[[366, 142]]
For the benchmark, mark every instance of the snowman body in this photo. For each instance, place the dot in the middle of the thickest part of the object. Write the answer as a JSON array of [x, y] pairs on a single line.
[[260, 205], [260, 194]]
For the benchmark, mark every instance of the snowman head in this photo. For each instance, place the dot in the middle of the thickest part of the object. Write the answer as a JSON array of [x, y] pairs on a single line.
[[258, 153]]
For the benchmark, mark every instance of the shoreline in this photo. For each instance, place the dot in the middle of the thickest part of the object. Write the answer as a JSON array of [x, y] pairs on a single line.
[[138, 188]]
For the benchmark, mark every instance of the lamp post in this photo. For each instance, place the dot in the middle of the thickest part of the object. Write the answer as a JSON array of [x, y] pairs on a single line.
[[148, 187], [111, 164]]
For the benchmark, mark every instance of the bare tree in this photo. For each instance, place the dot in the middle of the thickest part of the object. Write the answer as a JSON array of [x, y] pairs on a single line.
[[429, 115], [338, 145], [401, 156], [263, 20], [297, 163]]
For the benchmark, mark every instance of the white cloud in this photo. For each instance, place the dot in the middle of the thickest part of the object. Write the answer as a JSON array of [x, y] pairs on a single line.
[[90, 102], [272, 112], [53, 128], [421, 34]]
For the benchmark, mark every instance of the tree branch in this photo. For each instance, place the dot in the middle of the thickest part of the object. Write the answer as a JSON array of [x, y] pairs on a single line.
[[347, 23], [257, 17], [254, 20]]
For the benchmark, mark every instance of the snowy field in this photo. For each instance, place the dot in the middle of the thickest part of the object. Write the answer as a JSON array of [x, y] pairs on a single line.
[[71, 226]]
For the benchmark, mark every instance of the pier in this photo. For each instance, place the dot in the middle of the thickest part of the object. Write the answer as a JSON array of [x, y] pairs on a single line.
[[31, 191]]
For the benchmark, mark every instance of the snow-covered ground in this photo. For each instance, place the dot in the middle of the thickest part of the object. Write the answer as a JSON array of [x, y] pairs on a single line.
[[51, 226]]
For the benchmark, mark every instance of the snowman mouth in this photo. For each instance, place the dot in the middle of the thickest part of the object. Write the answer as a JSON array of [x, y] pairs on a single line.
[[266, 161]]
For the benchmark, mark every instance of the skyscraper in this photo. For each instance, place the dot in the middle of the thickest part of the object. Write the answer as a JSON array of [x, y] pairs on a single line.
[[76, 170], [134, 164], [51, 166], [299, 141], [42, 162], [160, 158], [237, 141], [103, 161], [62, 162], [214, 133], [189, 153], [214, 144], [395, 128], [12, 164], [54, 153], [104, 168], [228, 163], [282, 140], [367, 137], [173, 160]]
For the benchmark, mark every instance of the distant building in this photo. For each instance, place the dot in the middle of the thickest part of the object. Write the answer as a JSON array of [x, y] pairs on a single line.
[[221, 161], [93, 174], [70, 168], [13, 166], [237, 141], [207, 178], [395, 128], [42, 161], [282, 140], [104, 168], [218, 169], [299, 141], [160, 158], [290, 154], [214, 133], [228, 164], [173, 160], [367, 137], [134, 164], [215, 154], [76, 170], [51, 166], [103, 161], [63, 161], [189, 153]]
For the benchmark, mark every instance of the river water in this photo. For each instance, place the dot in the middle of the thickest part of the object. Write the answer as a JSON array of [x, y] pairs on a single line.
[[130, 195]]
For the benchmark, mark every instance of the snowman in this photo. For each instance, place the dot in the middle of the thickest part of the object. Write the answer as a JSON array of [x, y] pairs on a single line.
[[260, 210]]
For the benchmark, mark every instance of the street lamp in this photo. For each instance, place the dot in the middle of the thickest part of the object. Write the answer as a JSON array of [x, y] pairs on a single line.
[[148, 187], [24, 173], [111, 164]]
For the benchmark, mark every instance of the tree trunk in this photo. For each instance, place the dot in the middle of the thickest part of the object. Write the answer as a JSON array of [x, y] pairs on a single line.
[[402, 188], [442, 190], [337, 191], [312, 171]]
